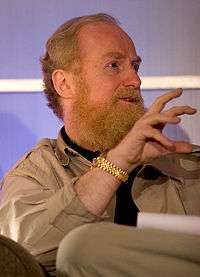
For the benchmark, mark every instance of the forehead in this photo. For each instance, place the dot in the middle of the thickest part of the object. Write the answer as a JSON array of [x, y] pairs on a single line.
[[100, 38]]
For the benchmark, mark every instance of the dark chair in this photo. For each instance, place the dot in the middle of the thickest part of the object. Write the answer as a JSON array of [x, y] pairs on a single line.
[[15, 261]]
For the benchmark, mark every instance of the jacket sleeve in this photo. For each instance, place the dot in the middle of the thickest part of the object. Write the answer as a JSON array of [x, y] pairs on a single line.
[[171, 185], [38, 218]]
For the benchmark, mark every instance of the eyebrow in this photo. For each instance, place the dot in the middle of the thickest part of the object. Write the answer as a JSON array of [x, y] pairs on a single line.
[[119, 55]]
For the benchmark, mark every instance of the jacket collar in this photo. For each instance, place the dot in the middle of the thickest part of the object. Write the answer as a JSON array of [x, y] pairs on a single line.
[[63, 152]]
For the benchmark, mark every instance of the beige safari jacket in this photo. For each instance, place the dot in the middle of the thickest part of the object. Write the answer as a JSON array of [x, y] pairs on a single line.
[[39, 205]]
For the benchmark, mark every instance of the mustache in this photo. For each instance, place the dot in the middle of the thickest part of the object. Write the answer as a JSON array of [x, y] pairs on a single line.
[[129, 92]]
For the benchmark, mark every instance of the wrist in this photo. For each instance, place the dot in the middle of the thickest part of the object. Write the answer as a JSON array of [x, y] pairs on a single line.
[[111, 168], [119, 160]]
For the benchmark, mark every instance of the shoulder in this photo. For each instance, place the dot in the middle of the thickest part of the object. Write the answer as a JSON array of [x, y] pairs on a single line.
[[39, 164]]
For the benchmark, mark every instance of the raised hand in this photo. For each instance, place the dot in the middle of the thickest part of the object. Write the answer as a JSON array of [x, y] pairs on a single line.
[[145, 141]]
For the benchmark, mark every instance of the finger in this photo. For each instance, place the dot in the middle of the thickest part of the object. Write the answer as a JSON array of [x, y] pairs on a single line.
[[151, 133], [182, 147], [162, 100], [180, 110], [155, 119]]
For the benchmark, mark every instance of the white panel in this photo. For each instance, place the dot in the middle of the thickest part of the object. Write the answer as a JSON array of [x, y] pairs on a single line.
[[148, 83], [171, 82]]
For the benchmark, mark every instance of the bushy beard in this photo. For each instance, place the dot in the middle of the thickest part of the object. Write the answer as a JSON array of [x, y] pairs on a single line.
[[102, 126]]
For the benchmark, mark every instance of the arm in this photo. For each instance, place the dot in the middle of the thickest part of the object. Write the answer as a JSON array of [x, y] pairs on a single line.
[[38, 217]]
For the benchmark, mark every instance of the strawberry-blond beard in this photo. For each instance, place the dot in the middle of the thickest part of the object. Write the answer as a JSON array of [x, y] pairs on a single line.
[[102, 126]]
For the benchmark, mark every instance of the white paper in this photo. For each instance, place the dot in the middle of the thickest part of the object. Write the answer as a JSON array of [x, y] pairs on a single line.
[[170, 222]]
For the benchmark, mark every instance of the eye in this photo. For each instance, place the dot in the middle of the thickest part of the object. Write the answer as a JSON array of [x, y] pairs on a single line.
[[136, 66], [114, 65]]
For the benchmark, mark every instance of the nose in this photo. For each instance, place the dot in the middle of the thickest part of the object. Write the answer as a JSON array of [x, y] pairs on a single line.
[[132, 78]]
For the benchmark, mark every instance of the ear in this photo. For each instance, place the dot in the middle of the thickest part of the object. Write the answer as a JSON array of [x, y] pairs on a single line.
[[62, 82]]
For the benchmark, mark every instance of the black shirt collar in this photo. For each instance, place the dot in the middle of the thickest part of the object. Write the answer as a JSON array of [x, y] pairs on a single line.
[[89, 155]]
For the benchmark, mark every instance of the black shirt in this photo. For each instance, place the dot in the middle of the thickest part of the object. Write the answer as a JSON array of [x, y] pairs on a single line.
[[126, 210]]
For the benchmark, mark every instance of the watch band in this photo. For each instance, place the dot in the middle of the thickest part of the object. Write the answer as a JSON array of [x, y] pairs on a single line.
[[109, 167]]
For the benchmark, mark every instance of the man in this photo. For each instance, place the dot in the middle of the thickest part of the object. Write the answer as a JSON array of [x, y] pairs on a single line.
[[91, 81]]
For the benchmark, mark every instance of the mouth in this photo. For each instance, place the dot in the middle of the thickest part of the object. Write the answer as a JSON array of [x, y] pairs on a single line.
[[130, 100]]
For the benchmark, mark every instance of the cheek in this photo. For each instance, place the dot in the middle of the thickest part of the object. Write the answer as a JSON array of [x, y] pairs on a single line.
[[102, 89]]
